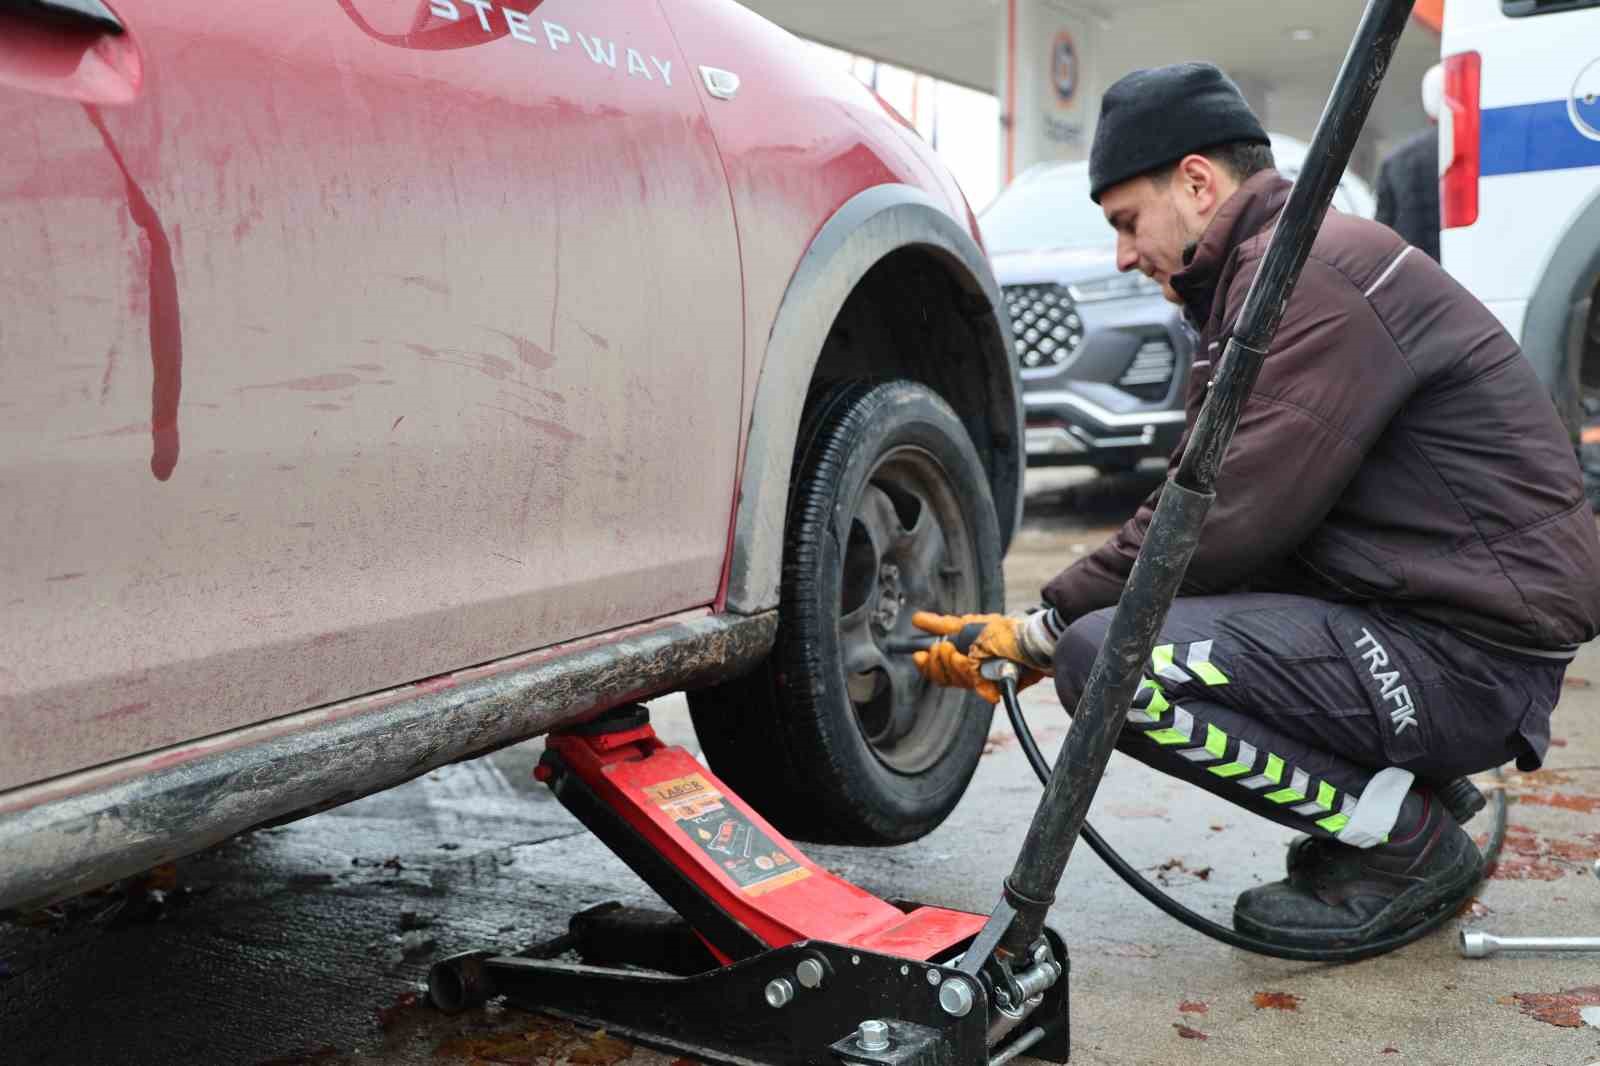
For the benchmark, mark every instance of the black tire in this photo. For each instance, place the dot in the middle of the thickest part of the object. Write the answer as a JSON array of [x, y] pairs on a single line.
[[885, 480]]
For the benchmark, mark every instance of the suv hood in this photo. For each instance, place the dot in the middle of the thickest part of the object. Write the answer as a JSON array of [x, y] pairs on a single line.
[[1080, 263]]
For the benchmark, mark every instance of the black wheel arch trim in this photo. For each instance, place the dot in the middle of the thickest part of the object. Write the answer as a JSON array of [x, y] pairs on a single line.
[[868, 227]]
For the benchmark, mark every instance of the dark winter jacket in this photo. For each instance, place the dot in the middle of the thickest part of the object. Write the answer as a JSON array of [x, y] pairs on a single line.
[[1408, 191], [1397, 447]]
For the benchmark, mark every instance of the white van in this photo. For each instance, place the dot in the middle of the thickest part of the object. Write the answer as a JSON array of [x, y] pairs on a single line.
[[1519, 206]]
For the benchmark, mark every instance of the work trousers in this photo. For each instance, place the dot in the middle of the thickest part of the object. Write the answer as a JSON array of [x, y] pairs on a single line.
[[1294, 708]]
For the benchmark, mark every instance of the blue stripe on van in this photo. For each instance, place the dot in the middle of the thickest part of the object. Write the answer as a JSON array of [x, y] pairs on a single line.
[[1531, 137]]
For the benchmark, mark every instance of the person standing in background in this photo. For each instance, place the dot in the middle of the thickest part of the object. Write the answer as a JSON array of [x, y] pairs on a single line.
[[1408, 181]]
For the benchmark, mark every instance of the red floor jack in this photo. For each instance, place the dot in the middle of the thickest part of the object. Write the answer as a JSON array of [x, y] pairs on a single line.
[[770, 958], [787, 963]]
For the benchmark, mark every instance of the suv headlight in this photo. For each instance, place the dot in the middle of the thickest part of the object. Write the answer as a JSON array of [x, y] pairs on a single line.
[[1115, 287]]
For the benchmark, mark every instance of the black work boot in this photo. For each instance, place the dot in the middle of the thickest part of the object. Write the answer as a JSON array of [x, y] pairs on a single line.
[[1337, 895]]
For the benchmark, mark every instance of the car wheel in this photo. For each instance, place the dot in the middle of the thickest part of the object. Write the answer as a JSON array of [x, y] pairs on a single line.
[[833, 738]]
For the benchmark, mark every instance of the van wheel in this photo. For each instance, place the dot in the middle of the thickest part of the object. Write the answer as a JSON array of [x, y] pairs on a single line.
[[832, 738]]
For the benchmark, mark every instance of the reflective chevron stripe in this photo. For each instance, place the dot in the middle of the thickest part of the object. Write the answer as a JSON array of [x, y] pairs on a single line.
[[1161, 661], [1321, 805], [1197, 658], [1335, 823], [1149, 703], [1170, 725], [1272, 775], [1296, 792], [1180, 732], [1182, 663], [1242, 763]]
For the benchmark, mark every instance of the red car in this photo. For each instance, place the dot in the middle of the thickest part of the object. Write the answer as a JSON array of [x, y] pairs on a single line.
[[388, 381]]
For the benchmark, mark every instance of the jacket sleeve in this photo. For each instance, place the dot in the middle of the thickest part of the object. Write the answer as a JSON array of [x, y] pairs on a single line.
[[1328, 388]]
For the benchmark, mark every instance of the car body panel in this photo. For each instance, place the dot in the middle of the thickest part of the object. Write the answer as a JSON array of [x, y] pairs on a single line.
[[376, 377], [799, 139], [335, 359], [804, 144]]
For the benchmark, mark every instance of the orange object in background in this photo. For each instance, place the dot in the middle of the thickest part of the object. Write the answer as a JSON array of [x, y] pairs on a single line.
[[1430, 13]]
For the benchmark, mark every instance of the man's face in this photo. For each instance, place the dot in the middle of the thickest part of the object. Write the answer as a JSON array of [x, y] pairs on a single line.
[[1156, 220]]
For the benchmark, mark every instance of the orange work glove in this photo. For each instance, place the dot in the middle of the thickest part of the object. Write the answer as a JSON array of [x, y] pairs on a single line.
[[1000, 639]]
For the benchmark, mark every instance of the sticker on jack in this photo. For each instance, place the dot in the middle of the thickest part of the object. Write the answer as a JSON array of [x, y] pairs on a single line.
[[748, 856]]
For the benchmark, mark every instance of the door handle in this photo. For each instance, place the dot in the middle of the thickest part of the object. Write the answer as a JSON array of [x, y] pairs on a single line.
[[78, 14]]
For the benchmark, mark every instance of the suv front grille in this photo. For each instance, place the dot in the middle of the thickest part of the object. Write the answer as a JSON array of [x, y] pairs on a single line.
[[1045, 327], [1149, 376]]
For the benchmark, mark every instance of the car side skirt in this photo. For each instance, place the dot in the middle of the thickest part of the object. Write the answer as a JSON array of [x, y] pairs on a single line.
[[78, 832]]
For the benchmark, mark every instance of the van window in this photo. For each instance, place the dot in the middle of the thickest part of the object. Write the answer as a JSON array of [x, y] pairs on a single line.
[[1521, 8]]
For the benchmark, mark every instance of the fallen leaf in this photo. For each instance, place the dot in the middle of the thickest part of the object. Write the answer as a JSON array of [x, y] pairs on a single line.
[[1217, 827], [1577, 682], [1528, 857], [1177, 866], [1562, 800], [508, 1049], [163, 878], [1561, 1009], [502, 1050], [405, 1002], [1188, 1033], [1473, 908], [1558, 742], [1391, 1051], [1192, 1007], [1276, 1001], [600, 1050]]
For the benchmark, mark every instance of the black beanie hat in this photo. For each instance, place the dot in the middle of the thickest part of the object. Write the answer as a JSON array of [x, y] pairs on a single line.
[[1151, 118]]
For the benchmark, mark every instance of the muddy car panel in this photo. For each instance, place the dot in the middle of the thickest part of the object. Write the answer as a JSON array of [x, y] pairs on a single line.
[[390, 380], [334, 359]]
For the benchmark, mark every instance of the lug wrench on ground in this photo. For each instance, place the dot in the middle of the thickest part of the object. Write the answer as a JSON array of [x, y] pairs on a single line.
[[1482, 945]]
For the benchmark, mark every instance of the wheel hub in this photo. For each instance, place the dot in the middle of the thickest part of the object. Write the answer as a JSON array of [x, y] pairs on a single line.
[[891, 598]]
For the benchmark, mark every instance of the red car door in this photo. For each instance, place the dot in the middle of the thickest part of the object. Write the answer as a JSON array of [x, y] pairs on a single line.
[[344, 344]]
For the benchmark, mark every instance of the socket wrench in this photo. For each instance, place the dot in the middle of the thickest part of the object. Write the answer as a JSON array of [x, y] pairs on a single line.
[[1482, 945]]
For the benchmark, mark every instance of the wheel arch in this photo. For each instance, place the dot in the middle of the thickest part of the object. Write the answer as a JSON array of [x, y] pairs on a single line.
[[886, 240], [1554, 325]]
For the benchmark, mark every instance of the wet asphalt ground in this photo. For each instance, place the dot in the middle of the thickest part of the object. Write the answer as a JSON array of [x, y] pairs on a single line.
[[309, 943]]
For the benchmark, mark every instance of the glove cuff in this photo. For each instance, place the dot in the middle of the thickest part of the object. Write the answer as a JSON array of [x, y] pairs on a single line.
[[1037, 637]]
